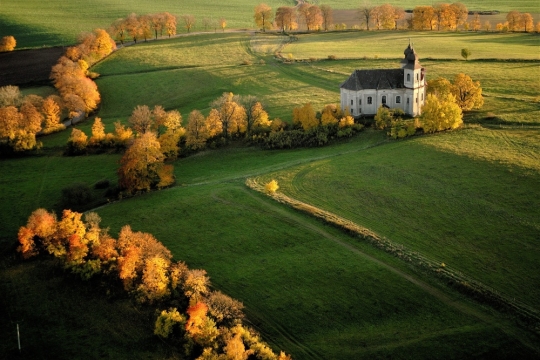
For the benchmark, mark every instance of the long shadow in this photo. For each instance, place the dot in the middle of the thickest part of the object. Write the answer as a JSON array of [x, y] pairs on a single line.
[[30, 36]]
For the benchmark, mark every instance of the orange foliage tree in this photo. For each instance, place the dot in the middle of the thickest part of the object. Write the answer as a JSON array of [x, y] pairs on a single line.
[[7, 43], [141, 166]]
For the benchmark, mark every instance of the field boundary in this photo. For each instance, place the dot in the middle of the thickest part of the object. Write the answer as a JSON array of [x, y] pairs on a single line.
[[527, 316]]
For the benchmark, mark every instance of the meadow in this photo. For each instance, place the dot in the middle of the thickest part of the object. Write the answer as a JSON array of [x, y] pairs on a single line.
[[37, 23], [310, 289]]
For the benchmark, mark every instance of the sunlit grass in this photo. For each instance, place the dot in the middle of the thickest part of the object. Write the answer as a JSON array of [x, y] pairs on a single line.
[[465, 199], [437, 45]]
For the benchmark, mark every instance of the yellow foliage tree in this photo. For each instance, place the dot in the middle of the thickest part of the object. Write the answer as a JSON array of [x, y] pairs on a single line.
[[263, 16], [213, 124], [167, 321], [467, 92], [155, 280], [440, 114], [98, 132], [305, 117], [196, 134], [51, 114], [7, 43], [271, 187], [78, 141]]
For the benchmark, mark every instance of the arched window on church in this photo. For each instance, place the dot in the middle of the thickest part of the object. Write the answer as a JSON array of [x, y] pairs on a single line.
[[384, 99], [398, 99], [369, 100], [408, 77]]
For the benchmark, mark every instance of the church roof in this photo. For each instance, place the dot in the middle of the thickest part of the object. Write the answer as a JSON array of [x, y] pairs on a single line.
[[374, 79]]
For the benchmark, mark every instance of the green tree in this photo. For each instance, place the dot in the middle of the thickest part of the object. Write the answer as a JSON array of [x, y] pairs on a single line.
[[465, 53]]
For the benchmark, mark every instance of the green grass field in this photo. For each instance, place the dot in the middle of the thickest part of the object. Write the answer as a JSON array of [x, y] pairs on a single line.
[[467, 198]]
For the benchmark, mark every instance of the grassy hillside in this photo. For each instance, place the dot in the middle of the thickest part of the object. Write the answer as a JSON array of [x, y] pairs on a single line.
[[466, 198], [444, 202]]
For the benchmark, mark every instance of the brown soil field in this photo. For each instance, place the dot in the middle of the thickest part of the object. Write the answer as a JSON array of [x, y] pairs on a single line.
[[28, 67]]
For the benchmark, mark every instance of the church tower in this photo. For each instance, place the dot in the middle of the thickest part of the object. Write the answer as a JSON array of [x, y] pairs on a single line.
[[414, 81]]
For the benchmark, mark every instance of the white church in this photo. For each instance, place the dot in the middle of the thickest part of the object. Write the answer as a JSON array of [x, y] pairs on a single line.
[[366, 90]]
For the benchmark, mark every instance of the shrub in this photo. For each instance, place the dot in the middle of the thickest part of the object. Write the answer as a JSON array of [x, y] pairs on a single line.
[[76, 196], [271, 187], [332, 57], [102, 184]]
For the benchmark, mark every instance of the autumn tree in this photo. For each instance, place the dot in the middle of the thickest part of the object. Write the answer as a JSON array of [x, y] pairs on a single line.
[[155, 280], [118, 30], [467, 92], [514, 20], [440, 114], [133, 26], [11, 120], [256, 116], [141, 119], [189, 21], [222, 24], [10, 96], [122, 134], [141, 165], [170, 23], [330, 114], [98, 132], [77, 141], [136, 250], [167, 321], [386, 16], [460, 14], [424, 18], [286, 18], [440, 87], [263, 16], [51, 114], [7, 43], [196, 132], [527, 22], [475, 23], [157, 23], [314, 18], [305, 117], [327, 16], [196, 284], [213, 124], [365, 13], [231, 114], [271, 187], [224, 309]]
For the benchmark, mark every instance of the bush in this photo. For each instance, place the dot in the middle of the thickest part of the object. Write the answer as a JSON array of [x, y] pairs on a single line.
[[332, 57], [76, 196], [102, 184]]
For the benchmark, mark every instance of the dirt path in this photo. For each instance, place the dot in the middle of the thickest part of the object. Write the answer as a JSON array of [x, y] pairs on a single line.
[[503, 325]]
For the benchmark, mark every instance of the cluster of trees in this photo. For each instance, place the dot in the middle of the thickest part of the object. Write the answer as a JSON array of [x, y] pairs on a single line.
[[207, 324], [71, 77], [516, 21], [23, 117], [144, 26], [443, 109], [311, 128], [7, 43], [442, 16], [288, 17]]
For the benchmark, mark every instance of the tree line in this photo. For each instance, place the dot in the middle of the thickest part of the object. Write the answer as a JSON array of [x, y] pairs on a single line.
[[155, 137], [442, 16], [206, 323]]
